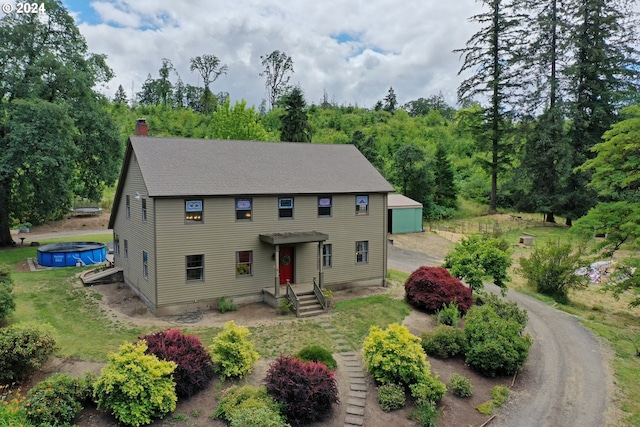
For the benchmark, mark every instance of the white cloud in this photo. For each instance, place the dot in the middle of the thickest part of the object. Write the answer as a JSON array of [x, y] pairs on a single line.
[[407, 45]]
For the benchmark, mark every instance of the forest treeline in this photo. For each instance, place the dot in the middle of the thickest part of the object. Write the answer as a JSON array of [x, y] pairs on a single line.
[[548, 83]]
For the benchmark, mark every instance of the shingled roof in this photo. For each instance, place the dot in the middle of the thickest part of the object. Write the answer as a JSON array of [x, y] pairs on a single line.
[[174, 167]]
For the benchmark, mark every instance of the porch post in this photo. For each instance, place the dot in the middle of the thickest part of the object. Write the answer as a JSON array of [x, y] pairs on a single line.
[[277, 279], [320, 260]]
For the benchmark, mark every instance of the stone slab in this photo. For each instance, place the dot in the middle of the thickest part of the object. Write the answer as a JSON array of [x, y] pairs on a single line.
[[358, 387], [355, 410], [356, 421], [356, 401], [358, 394], [355, 380]]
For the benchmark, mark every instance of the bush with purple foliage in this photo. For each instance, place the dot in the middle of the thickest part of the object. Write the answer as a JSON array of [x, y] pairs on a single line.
[[195, 368], [432, 288], [305, 389]]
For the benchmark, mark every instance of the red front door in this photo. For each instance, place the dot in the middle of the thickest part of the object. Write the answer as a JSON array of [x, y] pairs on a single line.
[[286, 264]]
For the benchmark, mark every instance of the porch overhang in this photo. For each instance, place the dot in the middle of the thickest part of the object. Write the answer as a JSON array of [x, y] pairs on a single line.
[[291, 237]]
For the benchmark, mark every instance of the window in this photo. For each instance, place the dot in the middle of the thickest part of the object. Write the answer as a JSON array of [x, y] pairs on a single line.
[[126, 249], [116, 244], [244, 208], [285, 207], [145, 264], [193, 211], [326, 255], [195, 267], [362, 252], [324, 206], [144, 209], [362, 205], [244, 262], [128, 207]]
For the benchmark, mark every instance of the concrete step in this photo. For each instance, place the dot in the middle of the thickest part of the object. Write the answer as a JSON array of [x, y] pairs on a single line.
[[310, 313]]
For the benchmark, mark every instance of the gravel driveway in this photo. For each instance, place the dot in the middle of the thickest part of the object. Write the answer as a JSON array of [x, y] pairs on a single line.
[[566, 380]]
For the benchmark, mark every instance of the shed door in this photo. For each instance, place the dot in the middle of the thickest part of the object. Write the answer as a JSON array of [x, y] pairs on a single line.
[[286, 264]]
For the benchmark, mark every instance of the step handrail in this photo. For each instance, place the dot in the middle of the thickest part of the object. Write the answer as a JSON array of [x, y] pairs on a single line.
[[319, 295], [293, 298]]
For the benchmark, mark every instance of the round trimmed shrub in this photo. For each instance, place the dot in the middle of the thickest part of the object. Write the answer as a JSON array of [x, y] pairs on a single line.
[[460, 385], [24, 347], [249, 406], [306, 390], [318, 353], [194, 369], [444, 342], [432, 288], [57, 400], [232, 351], [136, 387], [391, 397], [496, 345]]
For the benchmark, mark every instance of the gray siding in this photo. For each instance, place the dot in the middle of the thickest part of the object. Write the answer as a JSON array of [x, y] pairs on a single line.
[[220, 236], [139, 234]]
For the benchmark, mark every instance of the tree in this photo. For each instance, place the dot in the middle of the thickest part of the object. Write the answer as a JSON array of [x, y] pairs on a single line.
[[551, 269], [390, 101], [277, 66], [422, 107], [210, 69], [411, 174], [164, 85], [489, 53], [295, 122], [47, 75], [445, 190], [615, 169], [120, 96], [604, 74], [237, 123], [476, 257], [368, 148]]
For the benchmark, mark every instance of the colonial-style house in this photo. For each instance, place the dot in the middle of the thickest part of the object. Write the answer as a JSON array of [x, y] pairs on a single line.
[[196, 220]]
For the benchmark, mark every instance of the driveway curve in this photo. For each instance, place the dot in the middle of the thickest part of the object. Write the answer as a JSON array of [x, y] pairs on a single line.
[[565, 381]]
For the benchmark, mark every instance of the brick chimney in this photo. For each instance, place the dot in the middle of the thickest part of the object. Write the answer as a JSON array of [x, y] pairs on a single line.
[[142, 129]]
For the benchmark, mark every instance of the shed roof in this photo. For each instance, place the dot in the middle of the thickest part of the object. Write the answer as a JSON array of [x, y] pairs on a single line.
[[201, 167], [401, 201]]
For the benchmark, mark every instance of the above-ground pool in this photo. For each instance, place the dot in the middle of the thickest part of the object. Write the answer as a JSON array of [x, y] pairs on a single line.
[[68, 254]]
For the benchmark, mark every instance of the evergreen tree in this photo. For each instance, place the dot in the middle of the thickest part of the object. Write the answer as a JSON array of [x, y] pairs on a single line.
[[445, 192], [603, 76], [390, 101], [368, 148], [490, 53], [120, 96], [412, 174], [295, 122]]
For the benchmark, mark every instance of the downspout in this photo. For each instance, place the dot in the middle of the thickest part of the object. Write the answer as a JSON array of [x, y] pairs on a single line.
[[277, 279]]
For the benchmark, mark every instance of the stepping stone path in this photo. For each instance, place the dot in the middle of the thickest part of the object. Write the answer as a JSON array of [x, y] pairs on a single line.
[[357, 395]]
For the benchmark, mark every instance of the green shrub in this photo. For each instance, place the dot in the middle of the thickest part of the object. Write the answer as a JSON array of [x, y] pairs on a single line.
[[391, 397], [57, 400], [24, 347], [448, 315], [460, 385], [136, 387], [499, 395], [444, 342], [7, 297], [225, 304], [425, 415], [551, 269], [249, 406], [284, 306], [12, 408], [427, 390], [318, 353], [507, 310], [495, 345], [232, 352], [393, 355]]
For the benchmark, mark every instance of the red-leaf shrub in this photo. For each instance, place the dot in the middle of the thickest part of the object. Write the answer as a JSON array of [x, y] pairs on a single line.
[[195, 368], [431, 288], [305, 389]]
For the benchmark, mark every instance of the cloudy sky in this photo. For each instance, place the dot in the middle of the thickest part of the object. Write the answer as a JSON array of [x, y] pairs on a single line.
[[353, 49]]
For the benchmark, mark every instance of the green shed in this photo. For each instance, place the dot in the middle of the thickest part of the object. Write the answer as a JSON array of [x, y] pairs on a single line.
[[404, 214]]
